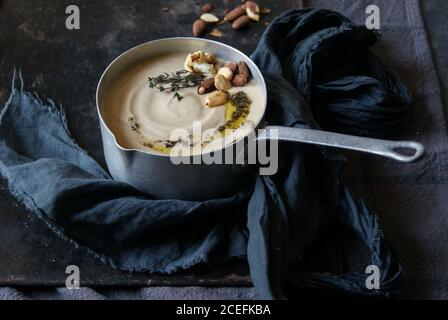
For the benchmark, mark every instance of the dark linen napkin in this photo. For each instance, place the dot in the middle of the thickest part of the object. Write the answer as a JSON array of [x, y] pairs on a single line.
[[319, 71]]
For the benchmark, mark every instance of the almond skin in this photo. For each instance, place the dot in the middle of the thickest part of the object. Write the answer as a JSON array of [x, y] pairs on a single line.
[[199, 27], [207, 86], [244, 70], [252, 10], [239, 80], [253, 6], [232, 66], [241, 22], [235, 14], [252, 15], [210, 58]]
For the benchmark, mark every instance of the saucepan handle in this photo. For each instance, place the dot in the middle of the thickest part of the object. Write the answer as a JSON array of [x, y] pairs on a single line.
[[385, 148]]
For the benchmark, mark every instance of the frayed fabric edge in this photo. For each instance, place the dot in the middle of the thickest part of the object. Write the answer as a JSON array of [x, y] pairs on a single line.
[[58, 230], [49, 104]]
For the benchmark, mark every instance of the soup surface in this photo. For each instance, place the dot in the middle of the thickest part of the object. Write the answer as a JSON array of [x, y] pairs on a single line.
[[148, 119]]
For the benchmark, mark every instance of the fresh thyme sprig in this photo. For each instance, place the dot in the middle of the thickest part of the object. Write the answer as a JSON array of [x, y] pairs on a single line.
[[176, 81]]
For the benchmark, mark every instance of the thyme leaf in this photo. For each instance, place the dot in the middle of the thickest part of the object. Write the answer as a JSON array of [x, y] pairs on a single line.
[[175, 82]]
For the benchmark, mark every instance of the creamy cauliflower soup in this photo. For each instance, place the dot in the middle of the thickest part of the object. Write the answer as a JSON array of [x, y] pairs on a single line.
[[195, 102]]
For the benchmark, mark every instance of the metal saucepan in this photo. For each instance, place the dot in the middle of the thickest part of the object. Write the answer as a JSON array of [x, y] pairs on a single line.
[[155, 173]]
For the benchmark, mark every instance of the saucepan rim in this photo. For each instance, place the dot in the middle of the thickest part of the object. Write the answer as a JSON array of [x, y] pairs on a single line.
[[253, 68]]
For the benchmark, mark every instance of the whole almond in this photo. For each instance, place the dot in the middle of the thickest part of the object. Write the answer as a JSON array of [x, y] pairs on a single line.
[[209, 18], [235, 14], [244, 70], [217, 98], [199, 27], [206, 86], [226, 72], [232, 66], [239, 80], [207, 8], [241, 22], [222, 83]]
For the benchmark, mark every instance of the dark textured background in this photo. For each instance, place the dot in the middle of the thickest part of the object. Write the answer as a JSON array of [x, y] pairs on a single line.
[[66, 65]]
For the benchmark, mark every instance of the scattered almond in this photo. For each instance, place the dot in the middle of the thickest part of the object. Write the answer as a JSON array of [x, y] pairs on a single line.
[[216, 33], [232, 66], [240, 17], [217, 98], [253, 16], [239, 80], [253, 10], [222, 83], [253, 6], [226, 72], [206, 86], [209, 18], [241, 22], [207, 8], [235, 14], [199, 27]]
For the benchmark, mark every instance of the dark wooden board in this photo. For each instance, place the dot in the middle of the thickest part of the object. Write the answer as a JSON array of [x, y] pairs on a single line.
[[66, 66]]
